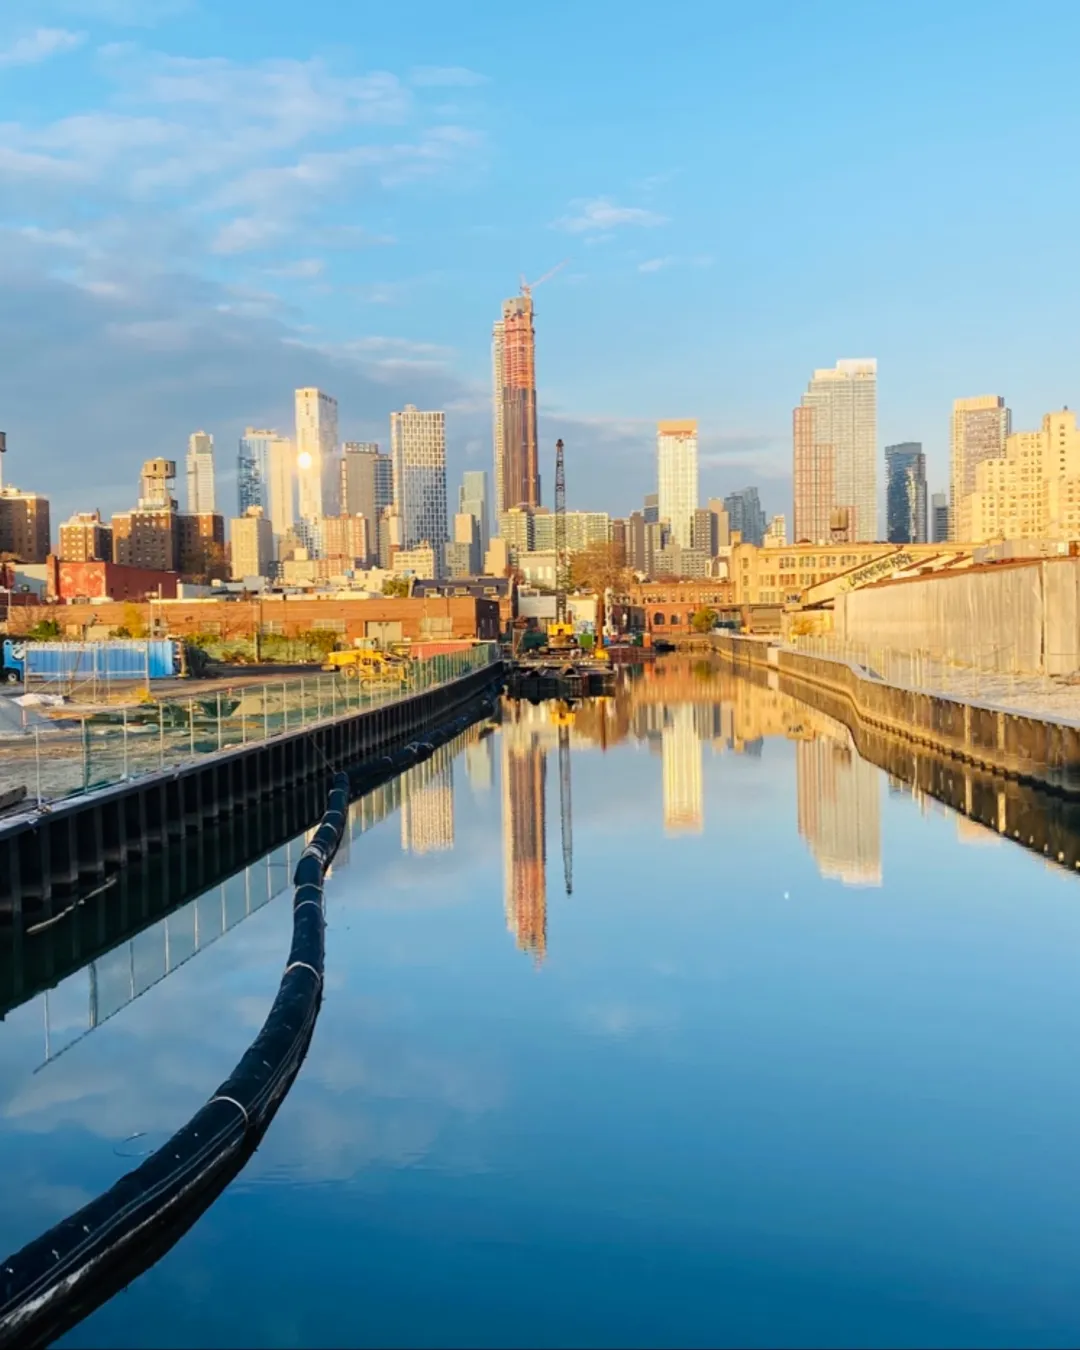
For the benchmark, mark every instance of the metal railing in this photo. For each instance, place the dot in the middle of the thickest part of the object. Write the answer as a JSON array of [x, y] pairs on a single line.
[[989, 675], [123, 743]]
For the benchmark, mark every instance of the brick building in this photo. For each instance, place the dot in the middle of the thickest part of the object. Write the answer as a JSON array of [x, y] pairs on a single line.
[[24, 525], [72, 582], [388, 619]]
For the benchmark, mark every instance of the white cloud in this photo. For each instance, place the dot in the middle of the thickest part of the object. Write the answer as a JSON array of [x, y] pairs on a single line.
[[40, 45], [445, 77], [245, 234], [655, 264], [600, 214], [302, 270]]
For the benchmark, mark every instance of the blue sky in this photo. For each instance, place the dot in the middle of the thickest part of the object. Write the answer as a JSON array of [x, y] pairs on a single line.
[[204, 205]]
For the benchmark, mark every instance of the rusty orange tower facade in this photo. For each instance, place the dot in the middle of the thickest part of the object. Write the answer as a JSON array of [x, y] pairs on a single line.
[[517, 466]]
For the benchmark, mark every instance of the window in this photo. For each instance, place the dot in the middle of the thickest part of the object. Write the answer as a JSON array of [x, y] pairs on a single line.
[[658, 618], [676, 618]]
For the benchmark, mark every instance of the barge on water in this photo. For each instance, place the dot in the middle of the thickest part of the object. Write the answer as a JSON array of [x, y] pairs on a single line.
[[546, 675]]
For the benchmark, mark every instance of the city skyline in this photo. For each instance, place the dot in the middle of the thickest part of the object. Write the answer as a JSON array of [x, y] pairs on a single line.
[[269, 295]]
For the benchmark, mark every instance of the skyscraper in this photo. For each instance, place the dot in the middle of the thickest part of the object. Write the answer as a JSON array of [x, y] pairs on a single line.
[[980, 427], [367, 484], [418, 446], [200, 473], [473, 498], [677, 477], [318, 456], [939, 517], [835, 455], [253, 470], [517, 468], [905, 493], [280, 485], [497, 416], [745, 514]]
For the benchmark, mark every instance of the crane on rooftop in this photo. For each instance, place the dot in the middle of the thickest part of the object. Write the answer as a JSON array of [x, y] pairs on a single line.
[[527, 287]]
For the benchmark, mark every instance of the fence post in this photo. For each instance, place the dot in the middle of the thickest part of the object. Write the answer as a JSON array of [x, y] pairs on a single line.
[[161, 735], [37, 762], [125, 746], [219, 720], [191, 724], [266, 716]]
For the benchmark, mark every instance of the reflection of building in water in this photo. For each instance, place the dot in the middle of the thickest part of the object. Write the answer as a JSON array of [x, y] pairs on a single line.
[[524, 763], [427, 805], [840, 809], [681, 751], [479, 763]]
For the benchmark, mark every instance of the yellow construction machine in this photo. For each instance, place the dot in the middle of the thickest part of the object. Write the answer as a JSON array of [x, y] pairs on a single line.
[[368, 664]]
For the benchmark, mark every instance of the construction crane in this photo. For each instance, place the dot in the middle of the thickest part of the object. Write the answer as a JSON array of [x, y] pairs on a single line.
[[563, 716], [561, 632], [527, 287]]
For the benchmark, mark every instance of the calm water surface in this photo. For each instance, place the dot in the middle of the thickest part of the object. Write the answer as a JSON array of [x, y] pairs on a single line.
[[795, 1063]]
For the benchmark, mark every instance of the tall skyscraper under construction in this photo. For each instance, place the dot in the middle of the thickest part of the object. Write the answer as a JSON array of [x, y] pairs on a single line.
[[517, 467]]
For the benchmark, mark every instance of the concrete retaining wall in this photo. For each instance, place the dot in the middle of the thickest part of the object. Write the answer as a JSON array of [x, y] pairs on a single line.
[[1031, 749], [1023, 618]]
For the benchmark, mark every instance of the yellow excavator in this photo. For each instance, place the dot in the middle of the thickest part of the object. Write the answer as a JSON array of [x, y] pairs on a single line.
[[368, 664]]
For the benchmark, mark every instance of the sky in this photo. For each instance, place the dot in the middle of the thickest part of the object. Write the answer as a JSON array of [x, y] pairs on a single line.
[[205, 205]]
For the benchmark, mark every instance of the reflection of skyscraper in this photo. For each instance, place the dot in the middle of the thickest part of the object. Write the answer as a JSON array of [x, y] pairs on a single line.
[[681, 750], [840, 809], [479, 760], [524, 837], [427, 807]]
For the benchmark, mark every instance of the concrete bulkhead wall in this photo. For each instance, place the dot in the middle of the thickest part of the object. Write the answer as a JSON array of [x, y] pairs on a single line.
[[1031, 749], [1022, 618]]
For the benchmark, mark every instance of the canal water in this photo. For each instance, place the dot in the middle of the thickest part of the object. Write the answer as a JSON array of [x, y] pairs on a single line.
[[793, 1062]]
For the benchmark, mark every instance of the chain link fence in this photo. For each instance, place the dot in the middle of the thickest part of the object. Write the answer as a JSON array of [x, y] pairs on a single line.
[[114, 746]]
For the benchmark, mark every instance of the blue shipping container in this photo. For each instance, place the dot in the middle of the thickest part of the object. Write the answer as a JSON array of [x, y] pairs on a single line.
[[117, 659]]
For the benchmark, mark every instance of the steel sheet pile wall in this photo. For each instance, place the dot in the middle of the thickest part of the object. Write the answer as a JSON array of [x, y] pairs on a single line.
[[70, 1270]]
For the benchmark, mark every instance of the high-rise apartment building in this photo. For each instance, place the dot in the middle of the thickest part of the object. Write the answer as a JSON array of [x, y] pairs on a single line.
[[635, 542], [252, 538], [1033, 490], [980, 428], [517, 467], [905, 493], [253, 471], [468, 555], [939, 517], [835, 455], [201, 545], [318, 456], [147, 537], [427, 804], [346, 540], [281, 486], [651, 508], [473, 498], [85, 538], [200, 473], [367, 484], [24, 525], [746, 515], [677, 477], [418, 446], [497, 425], [723, 521]]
